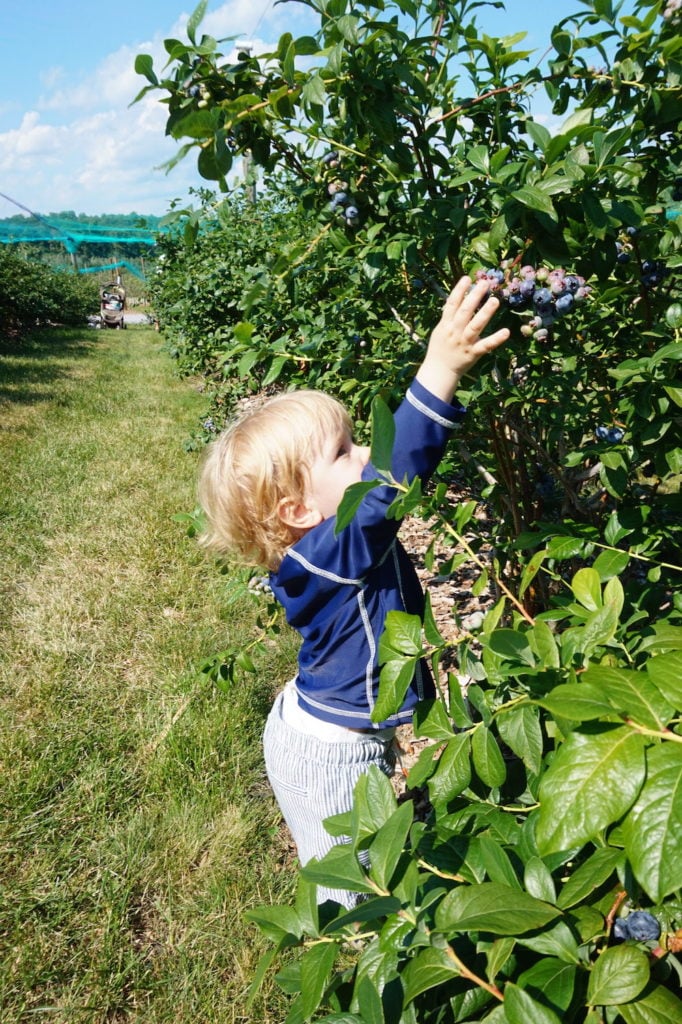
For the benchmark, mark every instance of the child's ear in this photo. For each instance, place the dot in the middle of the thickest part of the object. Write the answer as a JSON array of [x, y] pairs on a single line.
[[297, 515]]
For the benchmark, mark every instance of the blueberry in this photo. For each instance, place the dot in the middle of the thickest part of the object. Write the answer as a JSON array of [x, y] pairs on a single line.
[[614, 435], [527, 287], [620, 928], [352, 212], [516, 300], [642, 926], [631, 231], [564, 303], [602, 433], [623, 257], [572, 283], [542, 298], [328, 157]]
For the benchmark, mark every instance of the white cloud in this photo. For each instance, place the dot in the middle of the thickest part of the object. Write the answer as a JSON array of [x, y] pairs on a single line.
[[84, 147]]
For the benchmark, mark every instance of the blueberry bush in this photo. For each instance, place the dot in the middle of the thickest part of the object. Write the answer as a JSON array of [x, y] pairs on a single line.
[[400, 150], [33, 294]]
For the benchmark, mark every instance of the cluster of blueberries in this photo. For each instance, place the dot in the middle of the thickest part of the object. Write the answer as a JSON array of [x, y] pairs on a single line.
[[612, 434], [653, 272], [548, 294], [341, 201], [640, 926]]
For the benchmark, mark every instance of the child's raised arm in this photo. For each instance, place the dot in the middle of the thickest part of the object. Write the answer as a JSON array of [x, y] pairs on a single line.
[[456, 343]]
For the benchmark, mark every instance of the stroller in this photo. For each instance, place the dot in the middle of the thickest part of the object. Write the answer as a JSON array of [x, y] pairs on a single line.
[[112, 304]]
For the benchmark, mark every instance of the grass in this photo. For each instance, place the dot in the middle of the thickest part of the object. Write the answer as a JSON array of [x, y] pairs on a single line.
[[137, 824]]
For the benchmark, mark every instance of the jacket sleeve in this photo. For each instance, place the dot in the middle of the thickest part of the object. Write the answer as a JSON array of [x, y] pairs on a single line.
[[423, 426]]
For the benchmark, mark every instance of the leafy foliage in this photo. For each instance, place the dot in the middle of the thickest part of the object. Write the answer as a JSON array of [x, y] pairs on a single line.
[[32, 294], [554, 781]]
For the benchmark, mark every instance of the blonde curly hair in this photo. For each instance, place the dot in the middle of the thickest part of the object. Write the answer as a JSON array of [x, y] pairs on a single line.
[[255, 462]]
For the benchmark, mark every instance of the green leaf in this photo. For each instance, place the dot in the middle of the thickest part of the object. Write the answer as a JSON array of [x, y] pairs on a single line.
[[276, 367], [316, 966], [595, 871], [552, 980], [538, 133], [144, 65], [511, 645], [531, 570], [338, 869], [618, 976], [611, 563], [383, 436], [402, 635], [430, 719], [387, 846], [598, 629], [374, 802], [519, 728], [259, 975], [427, 969], [536, 200], [632, 694], [557, 941], [492, 907], [581, 702], [496, 862], [352, 498], [195, 19], [371, 909], [431, 631], [663, 639], [593, 780], [544, 644], [479, 157], [348, 25], [586, 587], [498, 955], [652, 830], [561, 548], [521, 1008], [453, 773], [488, 760], [424, 767], [537, 878], [665, 672], [394, 679], [276, 922], [658, 1005]]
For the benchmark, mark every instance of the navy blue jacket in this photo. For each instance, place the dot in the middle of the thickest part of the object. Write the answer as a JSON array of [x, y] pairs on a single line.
[[337, 590]]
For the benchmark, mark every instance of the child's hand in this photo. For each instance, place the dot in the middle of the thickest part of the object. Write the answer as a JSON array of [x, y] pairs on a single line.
[[456, 343]]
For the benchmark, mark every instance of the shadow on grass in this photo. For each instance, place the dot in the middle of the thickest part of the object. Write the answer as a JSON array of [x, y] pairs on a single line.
[[29, 365]]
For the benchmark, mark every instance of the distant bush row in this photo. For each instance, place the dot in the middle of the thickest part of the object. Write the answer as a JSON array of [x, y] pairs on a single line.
[[33, 295]]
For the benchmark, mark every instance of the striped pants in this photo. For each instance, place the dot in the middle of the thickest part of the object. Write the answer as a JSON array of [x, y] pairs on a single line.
[[314, 778]]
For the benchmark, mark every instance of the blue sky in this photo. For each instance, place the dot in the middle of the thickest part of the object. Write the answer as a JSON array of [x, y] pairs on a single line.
[[69, 139]]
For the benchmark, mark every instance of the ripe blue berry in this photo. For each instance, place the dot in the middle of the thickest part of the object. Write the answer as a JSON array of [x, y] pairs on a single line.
[[640, 926], [542, 298], [564, 303], [643, 926]]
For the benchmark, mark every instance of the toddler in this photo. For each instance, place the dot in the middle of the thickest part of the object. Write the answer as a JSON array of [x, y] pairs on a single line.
[[270, 487]]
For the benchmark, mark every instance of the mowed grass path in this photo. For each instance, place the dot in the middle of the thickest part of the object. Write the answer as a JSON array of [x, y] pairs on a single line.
[[136, 822]]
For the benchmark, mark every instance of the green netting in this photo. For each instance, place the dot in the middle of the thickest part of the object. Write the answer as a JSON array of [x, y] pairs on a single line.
[[72, 233]]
